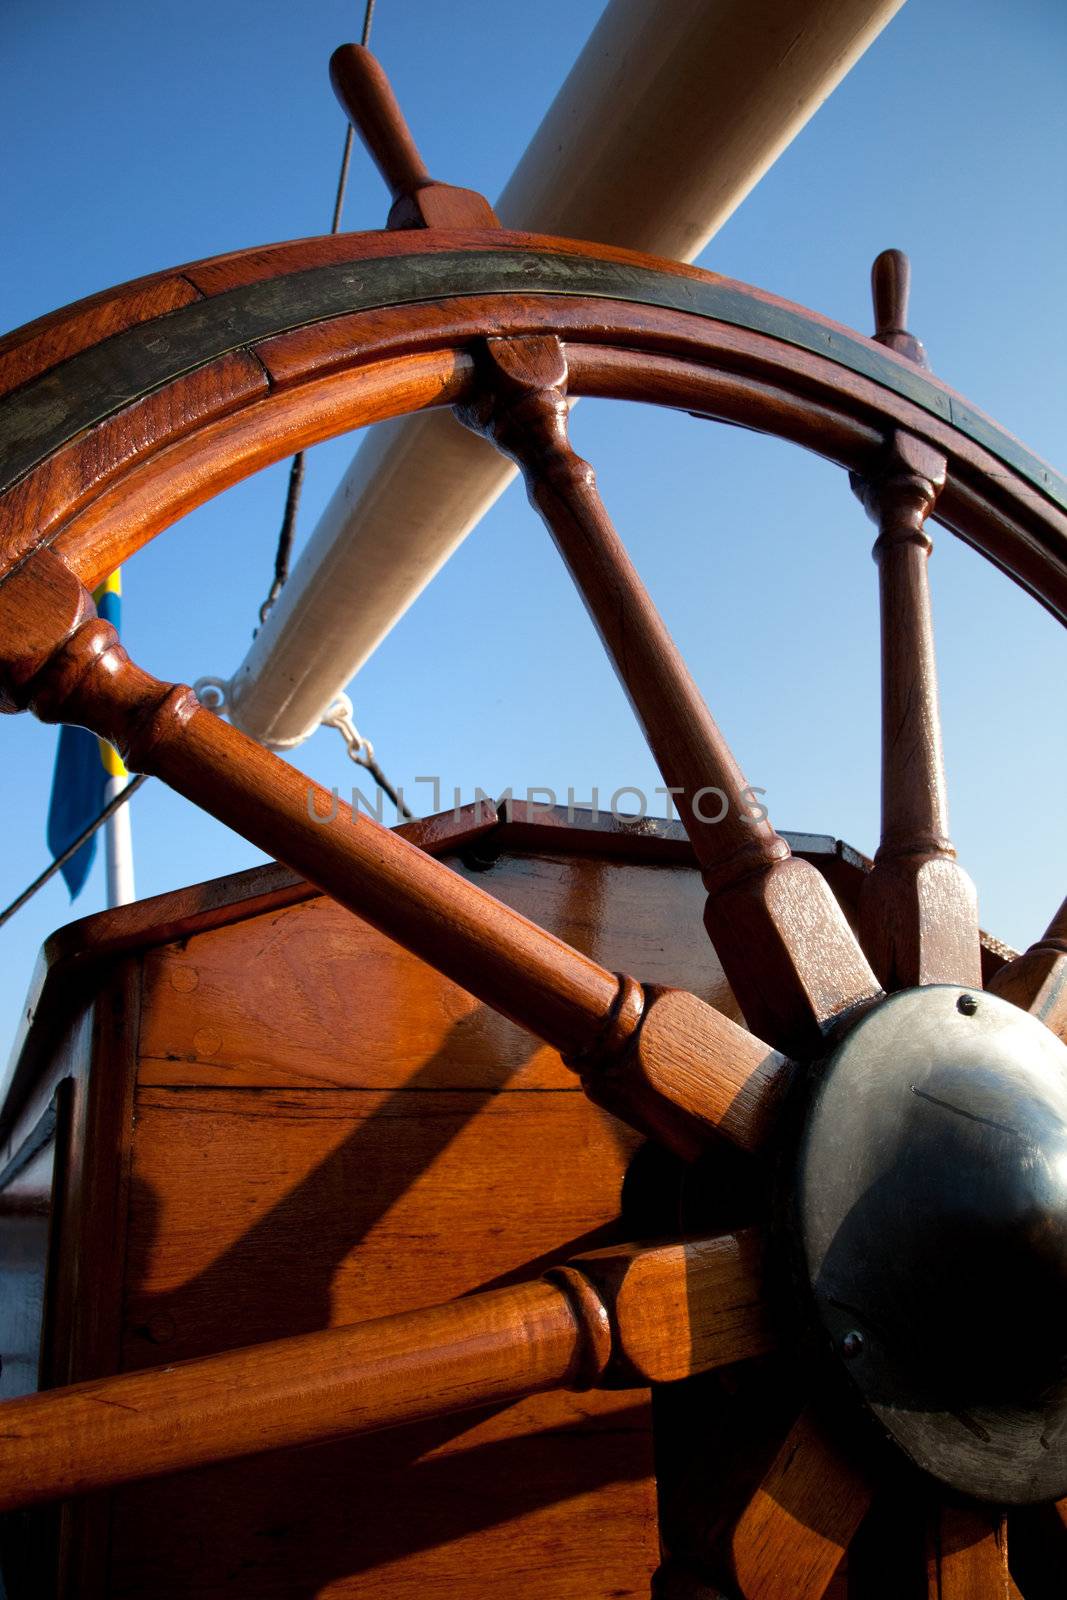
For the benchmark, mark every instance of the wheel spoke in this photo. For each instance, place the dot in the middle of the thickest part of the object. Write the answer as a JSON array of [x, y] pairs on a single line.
[[918, 911], [787, 950], [967, 1554], [694, 1073], [646, 1314], [1037, 980], [790, 1538]]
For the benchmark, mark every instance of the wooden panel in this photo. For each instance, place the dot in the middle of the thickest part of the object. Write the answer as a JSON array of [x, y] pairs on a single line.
[[551, 1500], [76, 953], [86, 1310], [299, 1022], [354, 1136], [263, 1213]]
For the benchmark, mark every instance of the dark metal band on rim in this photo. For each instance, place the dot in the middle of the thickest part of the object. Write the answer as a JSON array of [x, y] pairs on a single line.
[[53, 409]]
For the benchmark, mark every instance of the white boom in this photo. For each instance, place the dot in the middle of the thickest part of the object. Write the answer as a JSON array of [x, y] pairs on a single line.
[[668, 118]]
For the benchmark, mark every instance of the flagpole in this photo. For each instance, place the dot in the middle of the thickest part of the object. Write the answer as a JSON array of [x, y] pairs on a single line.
[[118, 848]]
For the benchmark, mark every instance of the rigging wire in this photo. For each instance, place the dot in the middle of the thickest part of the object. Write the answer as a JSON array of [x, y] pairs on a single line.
[[72, 849], [360, 750], [284, 552]]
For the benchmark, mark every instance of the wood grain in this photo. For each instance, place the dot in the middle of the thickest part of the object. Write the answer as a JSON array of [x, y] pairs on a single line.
[[64, 333], [1017, 526], [692, 1073], [68, 665], [792, 1534], [521, 406], [918, 908], [668, 1312], [76, 475], [293, 1026], [367, 98], [683, 1309], [967, 1554], [1037, 980], [555, 1491], [487, 1349], [413, 1196]]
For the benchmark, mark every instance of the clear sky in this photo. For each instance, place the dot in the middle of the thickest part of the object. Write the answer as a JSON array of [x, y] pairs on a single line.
[[142, 136]]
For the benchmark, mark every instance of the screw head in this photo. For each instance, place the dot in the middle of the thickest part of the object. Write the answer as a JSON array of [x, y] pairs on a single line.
[[852, 1344], [967, 1004]]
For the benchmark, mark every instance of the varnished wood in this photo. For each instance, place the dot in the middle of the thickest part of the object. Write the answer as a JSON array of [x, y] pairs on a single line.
[[73, 477], [691, 1073], [967, 1554], [367, 98], [660, 1313], [67, 332], [207, 1026], [1037, 980], [71, 666], [73, 957], [890, 289], [554, 1492], [685, 1308], [791, 1536], [919, 912], [674, 1066], [787, 950], [322, 1386], [765, 383], [413, 1195], [433, 1172]]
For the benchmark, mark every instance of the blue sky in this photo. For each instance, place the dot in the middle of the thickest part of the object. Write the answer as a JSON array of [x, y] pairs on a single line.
[[140, 137]]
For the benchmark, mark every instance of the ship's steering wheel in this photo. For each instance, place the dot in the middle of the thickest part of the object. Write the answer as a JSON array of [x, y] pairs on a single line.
[[913, 1122]]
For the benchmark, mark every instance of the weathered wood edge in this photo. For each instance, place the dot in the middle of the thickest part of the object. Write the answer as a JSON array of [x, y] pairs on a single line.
[[48, 411]]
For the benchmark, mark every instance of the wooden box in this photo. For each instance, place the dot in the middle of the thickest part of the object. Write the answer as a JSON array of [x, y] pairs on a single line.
[[235, 1113]]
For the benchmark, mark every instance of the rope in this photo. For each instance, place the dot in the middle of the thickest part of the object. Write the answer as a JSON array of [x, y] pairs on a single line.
[[284, 552], [72, 849]]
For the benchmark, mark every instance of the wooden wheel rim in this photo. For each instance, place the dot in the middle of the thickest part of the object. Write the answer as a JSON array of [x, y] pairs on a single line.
[[170, 389], [276, 349]]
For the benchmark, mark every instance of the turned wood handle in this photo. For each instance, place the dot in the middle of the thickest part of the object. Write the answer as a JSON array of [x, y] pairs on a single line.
[[488, 1349], [696, 1072], [890, 288], [367, 98], [649, 1314]]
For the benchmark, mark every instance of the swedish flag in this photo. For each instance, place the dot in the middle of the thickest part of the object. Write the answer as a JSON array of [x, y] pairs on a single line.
[[84, 767]]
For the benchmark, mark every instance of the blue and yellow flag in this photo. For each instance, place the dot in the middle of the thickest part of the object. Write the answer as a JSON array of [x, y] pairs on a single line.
[[84, 764]]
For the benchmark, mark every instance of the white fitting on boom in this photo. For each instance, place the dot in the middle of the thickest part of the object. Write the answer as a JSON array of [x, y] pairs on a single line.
[[667, 119]]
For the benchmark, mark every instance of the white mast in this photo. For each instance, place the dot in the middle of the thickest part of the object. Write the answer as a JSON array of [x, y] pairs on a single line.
[[668, 118]]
